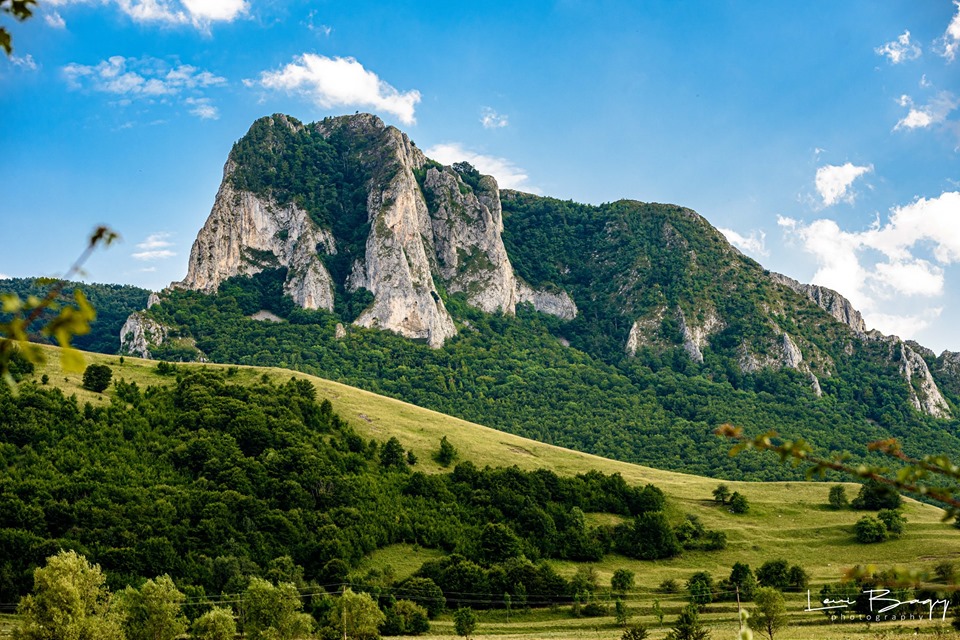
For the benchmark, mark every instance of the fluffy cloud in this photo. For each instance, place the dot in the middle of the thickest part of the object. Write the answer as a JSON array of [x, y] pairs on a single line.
[[903, 258], [154, 247], [833, 182], [934, 112], [26, 62], [200, 13], [754, 244], [146, 79], [900, 50], [341, 82], [950, 42], [490, 119], [508, 175], [55, 20]]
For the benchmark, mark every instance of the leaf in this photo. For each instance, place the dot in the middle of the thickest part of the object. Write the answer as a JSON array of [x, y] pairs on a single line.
[[71, 360]]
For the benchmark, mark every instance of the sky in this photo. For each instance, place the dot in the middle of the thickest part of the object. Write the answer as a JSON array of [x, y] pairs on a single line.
[[822, 138]]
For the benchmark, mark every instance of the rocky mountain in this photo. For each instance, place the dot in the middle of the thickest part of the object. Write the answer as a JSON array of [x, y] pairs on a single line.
[[361, 224]]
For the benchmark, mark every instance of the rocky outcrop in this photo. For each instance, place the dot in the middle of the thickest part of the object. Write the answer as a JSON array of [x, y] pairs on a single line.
[[828, 300], [558, 304], [695, 336], [925, 396], [399, 247], [467, 225], [643, 329], [139, 334], [247, 233]]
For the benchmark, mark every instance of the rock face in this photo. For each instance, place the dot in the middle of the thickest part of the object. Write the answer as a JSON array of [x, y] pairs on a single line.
[[411, 247], [246, 234], [925, 396], [695, 337], [828, 300], [558, 304], [139, 333]]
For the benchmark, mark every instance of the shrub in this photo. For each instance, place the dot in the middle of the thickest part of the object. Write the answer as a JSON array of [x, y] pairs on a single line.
[[869, 529], [893, 520], [738, 503], [838, 497], [97, 377]]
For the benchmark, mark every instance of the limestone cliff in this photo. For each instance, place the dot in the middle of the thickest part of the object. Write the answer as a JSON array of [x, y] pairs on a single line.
[[139, 334], [247, 233], [828, 300]]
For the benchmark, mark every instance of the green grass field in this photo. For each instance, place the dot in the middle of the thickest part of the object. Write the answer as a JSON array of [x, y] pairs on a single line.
[[787, 520]]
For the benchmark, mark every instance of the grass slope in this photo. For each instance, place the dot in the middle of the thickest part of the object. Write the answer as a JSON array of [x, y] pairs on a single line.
[[787, 520]]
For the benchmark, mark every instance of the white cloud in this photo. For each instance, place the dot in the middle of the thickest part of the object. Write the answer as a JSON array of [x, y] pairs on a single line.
[[4, 276], [490, 119], [935, 112], [154, 247], [833, 182], [508, 175], [203, 109], [199, 13], [147, 79], [900, 50], [26, 62], [950, 42], [341, 82], [886, 263], [55, 20], [754, 244]]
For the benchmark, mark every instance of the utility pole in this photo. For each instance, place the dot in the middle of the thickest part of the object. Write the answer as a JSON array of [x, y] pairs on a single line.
[[739, 612]]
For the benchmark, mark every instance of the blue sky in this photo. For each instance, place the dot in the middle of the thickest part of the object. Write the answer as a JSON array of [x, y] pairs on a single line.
[[822, 137]]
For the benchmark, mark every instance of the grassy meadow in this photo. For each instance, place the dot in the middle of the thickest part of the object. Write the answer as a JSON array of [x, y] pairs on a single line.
[[789, 520]]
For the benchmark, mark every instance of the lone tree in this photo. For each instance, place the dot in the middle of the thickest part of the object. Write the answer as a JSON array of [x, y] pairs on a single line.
[[97, 377], [70, 599], [464, 621], [446, 454], [622, 581], [721, 493], [738, 503], [688, 626], [838, 497], [770, 614]]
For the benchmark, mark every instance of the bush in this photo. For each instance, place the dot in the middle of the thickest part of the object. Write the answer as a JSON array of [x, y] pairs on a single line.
[[893, 520], [97, 377], [738, 503], [874, 496], [869, 530], [446, 454], [838, 497]]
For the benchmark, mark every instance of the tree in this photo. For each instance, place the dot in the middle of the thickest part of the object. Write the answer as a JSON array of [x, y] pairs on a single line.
[[770, 613], [738, 503], [405, 618], [658, 611], [464, 621], [721, 493], [874, 496], [742, 579], [20, 10], [70, 599], [153, 611], [773, 573], [621, 581], [216, 624], [838, 497], [688, 626], [869, 530], [894, 521], [392, 454], [274, 612], [498, 542], [97, 377], [635, 632], [621, 615], [700, 588], [424, 592], [356, 615], [70, 321], [446, 454], [797, 578]]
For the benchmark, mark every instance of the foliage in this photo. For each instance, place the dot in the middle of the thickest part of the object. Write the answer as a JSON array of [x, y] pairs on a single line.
[[96, 377], [869, 529], [216, 624], [700, 588], [635, 632], [770, 613], [70, 599], [405, 618], [152, 612], [648, 537], [20, 10], [18, 316], [356, 615], [446, 454], [464, 621], [424, 592], [838, 497], [621, 581], [742, 582], [689, 626], [721, 494], [782, 576], [273, 612], [874, 496], [739, 503], [893, 520]]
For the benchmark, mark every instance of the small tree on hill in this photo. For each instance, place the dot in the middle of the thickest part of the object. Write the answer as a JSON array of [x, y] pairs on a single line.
[[869, 530], [464, 621], [838, 497], [356, 615], [721, 493], [97, 377], [688, 626], [770, 614], [874, 496], [738, 503], [894, 521], [446, 454], [621, 581]]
